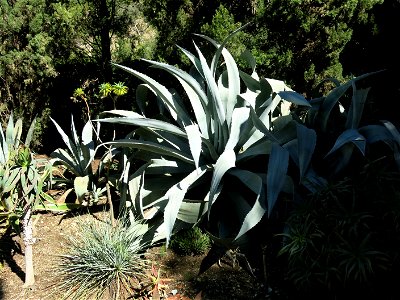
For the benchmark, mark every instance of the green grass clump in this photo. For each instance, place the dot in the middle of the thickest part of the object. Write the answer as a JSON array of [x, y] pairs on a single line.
[[103, 258], [190, 242]]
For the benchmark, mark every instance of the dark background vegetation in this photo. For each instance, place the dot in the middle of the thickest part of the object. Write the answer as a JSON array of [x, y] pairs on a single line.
[[49, 48]]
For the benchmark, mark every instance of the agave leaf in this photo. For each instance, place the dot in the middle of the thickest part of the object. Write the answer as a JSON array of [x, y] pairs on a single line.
[[29, 135], [194, 137], [142, 96], [60, 155], [152, 147], [74, 134], [294, 97], [356, 107], [396, 137], [190, 212], [197, 96], [177, 112], [255, 184], [175, 195], [3, 148], [195, 61], [260, 148], [163, 166], [277, 169], [375, 133], [138, 120], [212, 88], [333, 97], [225, 162], [87, 148], [250, 82], [164, 138], [249, 58], [261, 126], [233, 85], [349, 136], [346, 152], [393, 130], [306, 141], [68, 142], [240, 117]]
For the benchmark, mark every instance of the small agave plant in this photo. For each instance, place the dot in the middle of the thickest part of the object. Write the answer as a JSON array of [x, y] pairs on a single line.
[[223, 159], [78, 159]]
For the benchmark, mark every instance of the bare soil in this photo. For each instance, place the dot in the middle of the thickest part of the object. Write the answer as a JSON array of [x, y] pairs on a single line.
[[178, 274]]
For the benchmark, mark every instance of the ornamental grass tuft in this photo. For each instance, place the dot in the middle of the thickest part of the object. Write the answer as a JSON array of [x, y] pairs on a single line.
[[103, 262]]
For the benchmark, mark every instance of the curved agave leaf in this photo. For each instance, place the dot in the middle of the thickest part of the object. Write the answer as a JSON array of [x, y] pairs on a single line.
[[63, 157], [294, 98], [132, 118], [68, 142], [277, 168], [152, 147], [194, 137], [375, 133], [212, 88], [333, 97], [202, 100], [356, 107], [349, 136], [306, 142], [142, 91], [233, 86], [238, 127], [225, 162], [175, 196], [29, 135], [255, 184], [177, 112], [396, 137]]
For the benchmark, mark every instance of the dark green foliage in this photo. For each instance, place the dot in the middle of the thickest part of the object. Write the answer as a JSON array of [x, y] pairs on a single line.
[[343, 239], [190, 242]]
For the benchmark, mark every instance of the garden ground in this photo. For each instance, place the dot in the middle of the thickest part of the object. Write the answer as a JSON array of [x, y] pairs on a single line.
[[178, 274]]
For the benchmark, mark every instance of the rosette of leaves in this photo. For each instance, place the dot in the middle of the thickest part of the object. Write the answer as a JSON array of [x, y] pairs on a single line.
[[222, 159], [78, 159]]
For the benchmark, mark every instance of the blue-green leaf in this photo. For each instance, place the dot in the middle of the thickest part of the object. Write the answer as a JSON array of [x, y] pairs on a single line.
[[194, 137], [225, 162], [356, 107], [294, 97], [152, 147], [349, 136], [177, 112], [255, 184], [306, 141], [175, 195], [276, 174]]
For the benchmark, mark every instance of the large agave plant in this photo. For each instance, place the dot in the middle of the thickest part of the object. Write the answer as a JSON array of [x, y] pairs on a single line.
[[337, 119], [223, 158]]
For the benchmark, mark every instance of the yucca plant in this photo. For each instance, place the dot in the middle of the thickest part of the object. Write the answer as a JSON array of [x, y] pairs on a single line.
[[222, 160], [103, 261]]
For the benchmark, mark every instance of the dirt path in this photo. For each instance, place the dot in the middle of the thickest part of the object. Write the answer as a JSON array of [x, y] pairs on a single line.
[[179, 273]]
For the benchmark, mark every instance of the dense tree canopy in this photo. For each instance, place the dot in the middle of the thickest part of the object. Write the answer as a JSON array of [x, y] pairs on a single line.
[[48, 48]]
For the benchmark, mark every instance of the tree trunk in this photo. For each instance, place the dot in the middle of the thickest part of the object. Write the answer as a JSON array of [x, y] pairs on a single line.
[[28, 242]]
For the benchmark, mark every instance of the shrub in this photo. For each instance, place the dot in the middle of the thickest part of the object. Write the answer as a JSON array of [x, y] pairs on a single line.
[[190, 241]]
